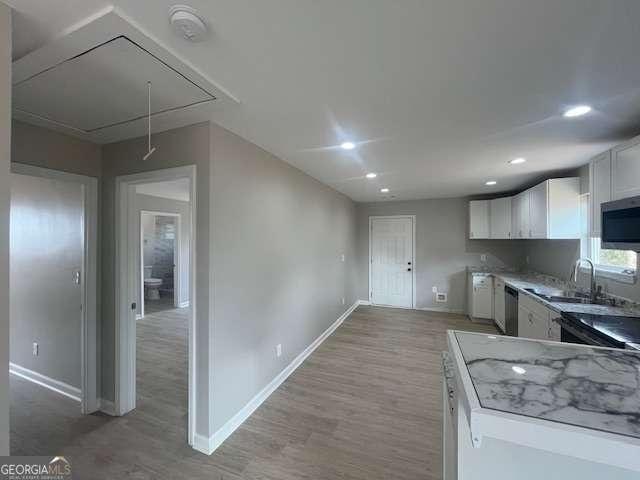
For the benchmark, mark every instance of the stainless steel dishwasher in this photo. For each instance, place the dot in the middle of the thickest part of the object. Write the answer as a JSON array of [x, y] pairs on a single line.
[[511, 311]]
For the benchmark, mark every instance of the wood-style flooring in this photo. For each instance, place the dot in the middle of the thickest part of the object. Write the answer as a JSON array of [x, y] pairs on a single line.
[[365, 405]]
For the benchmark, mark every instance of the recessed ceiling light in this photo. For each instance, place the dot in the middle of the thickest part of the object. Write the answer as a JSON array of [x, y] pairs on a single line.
[[519, 370], [490, 182], [577, 111], [518, 160], [371, 175], [348, 145], [384, 190]]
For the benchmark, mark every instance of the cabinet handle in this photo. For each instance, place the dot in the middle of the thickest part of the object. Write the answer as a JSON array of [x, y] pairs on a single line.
[[520, 233], [529, 232]]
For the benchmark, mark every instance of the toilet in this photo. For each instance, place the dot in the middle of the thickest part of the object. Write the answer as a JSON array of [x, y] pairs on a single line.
[[151, 285]]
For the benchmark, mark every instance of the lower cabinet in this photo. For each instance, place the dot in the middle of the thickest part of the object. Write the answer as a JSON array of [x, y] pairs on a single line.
[[480, 296], [536, 321]]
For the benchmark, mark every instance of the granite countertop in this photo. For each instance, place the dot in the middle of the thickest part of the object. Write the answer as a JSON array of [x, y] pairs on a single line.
[[596, 388], [552, 286]]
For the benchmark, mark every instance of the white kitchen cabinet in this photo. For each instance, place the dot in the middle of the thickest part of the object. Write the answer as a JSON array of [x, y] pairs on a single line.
[[479, 219], [536, 321], [538, 210], [500, 218], [600, 188], [520, 215], [625, 169], [499, 304], [480, 296]]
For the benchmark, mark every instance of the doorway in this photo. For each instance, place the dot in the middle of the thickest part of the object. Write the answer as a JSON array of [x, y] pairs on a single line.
[[160, 265], [53, 275], [392, 269], [155, 351]]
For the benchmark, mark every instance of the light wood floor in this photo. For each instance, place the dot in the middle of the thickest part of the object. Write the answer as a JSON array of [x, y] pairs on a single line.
[[365, 405]]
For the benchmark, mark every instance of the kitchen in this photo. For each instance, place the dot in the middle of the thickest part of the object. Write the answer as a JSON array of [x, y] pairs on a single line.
[[558, 395]]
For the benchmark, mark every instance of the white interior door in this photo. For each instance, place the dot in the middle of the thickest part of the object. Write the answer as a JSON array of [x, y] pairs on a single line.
[[47, 250], [392, 262]]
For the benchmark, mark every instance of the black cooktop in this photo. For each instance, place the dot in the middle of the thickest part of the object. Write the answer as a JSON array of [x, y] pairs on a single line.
[[620, 330]]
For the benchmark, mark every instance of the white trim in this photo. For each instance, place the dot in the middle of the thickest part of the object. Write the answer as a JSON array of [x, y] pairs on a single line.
[[184, 304], [364, 302], [209, 445], [57, 386], [126, 289], [413, 257], [108, 407], [88, 276], [177, 251]]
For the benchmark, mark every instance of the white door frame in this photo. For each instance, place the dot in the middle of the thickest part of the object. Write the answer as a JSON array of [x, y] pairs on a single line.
[[127, 284], [177, 269], [88, 278], [413, 255]]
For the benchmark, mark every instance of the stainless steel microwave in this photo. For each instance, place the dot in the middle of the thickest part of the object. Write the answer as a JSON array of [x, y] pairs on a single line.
[[620, 227]]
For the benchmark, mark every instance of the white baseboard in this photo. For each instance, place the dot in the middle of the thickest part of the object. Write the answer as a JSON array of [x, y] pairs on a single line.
[[107, 406], [209, 445], [46, 382], [364, 302], [183, 304], [139, 317]]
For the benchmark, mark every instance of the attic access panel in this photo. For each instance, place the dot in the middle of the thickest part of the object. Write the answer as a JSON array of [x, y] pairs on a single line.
[[106, 86]]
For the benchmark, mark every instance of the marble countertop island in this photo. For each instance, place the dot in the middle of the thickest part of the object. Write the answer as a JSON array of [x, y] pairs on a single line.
[[570, 399]]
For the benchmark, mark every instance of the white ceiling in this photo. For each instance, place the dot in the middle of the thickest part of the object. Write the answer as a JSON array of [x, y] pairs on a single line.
[[171, 189], [438, 95]]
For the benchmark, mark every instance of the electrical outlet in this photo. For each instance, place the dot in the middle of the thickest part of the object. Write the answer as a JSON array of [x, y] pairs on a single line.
[[36, 349], [434, 289], [343, 300], [483, 257], [278, 350], [441, 297]]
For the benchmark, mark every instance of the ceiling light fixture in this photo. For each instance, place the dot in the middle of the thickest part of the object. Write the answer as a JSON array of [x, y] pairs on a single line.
[[384, 190], [371, 175], [577, 111], [518, 160], [348, 145], [187, 23], [490, 182], [519, 370]]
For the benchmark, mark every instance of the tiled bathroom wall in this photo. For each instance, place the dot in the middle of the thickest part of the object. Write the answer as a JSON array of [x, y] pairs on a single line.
[[159, 236]]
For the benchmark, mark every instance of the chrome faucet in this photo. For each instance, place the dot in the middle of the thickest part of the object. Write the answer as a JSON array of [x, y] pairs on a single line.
[[593, 291]]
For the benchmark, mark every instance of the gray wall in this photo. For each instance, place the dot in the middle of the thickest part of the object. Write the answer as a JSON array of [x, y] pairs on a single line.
[[48, 149], [174, 148], [167, 205], [277, 275], [5, 153], [557, 257], [443, 250]]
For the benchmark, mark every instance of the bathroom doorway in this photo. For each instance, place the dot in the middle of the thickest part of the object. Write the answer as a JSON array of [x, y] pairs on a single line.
[[160, 261], [155, 348]]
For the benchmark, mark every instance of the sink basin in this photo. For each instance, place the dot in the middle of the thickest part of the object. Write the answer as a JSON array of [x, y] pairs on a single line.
[[564, 296]]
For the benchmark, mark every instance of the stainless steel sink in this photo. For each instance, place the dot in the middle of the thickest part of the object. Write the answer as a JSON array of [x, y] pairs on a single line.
[[565, 296]]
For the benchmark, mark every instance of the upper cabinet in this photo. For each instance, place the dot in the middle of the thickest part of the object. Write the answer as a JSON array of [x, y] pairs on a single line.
[[500, 218], [549, 210], [600, 188], [479, 219], [520, 215], [539, 210], [625, 170]]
